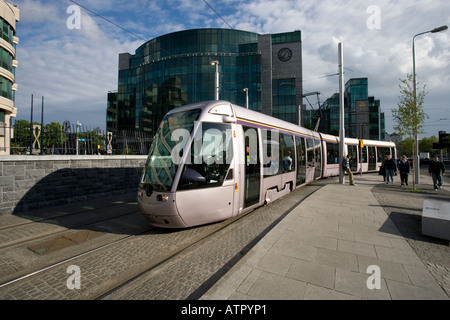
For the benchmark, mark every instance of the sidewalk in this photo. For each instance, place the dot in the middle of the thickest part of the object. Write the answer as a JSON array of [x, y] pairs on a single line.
[[332, 246]]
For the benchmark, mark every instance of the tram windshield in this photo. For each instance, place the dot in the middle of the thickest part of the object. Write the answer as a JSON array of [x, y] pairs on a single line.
[[164, 157]]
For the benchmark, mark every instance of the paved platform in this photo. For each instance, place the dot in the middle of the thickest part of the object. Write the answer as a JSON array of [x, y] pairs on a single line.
[[340, 243]]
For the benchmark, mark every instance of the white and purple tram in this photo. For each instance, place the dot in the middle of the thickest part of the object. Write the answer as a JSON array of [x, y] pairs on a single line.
[[212, 161]]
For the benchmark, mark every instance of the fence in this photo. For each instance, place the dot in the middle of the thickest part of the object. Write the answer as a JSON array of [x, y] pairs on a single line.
[[75, 139]]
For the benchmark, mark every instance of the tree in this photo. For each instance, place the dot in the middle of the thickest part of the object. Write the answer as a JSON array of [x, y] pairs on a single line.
[[426, 144], [405, 146], [54, 135], [409, 115]]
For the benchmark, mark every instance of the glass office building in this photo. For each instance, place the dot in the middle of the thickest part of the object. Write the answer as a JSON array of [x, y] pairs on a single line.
[[363, 118], [175, 69], [9, 16]]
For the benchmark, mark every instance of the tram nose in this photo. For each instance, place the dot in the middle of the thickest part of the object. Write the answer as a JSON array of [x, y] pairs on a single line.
[[160, 209], [159, 197]]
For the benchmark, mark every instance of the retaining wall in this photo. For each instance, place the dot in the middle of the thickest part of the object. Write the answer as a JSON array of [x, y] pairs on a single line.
[[34, 182]]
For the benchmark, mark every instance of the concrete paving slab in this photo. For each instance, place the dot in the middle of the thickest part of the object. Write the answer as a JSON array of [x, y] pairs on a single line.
[[326, 249]]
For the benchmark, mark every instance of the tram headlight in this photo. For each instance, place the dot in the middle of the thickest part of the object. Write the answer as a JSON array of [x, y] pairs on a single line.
[[162, 197]]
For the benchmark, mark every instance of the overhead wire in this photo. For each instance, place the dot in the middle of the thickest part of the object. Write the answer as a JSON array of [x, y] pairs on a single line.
[[126, 30], [217, 13], [106, 19]]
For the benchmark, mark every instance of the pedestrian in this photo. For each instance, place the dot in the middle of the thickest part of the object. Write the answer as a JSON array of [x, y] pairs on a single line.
[[391, 168], [404, 170], [436, 170], [346, 168], [382, 171]]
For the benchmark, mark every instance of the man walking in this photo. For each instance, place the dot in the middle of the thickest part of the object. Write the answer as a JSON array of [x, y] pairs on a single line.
[[403, 167], [436, 170], [346, 168], [391, 168]]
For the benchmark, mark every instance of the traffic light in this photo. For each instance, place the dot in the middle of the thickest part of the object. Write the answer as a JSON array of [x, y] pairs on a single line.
[[444, 139]]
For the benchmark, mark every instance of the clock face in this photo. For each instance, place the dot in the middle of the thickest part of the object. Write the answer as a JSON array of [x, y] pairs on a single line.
[[285, 54]]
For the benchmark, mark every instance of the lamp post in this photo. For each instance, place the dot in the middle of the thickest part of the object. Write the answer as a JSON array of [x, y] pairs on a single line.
[[216, 82], [77, 129], [416, 140], [246, 96], [341, 112]]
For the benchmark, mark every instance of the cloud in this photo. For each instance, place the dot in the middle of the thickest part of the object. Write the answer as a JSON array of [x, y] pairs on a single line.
[[74, 69]]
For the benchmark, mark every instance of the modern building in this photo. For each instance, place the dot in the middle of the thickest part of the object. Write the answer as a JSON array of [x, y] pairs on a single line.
[[175, 69], [362, 114], [9, 16]]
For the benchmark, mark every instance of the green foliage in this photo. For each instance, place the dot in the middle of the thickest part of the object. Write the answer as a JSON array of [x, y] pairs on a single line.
[[426, 144], [409, 115]]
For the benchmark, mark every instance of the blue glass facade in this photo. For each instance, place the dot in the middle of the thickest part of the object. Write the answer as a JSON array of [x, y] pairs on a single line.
[[175, 69], [363, 118]]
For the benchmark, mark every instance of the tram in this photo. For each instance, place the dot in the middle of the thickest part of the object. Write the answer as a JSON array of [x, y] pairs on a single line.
[[214, 160]]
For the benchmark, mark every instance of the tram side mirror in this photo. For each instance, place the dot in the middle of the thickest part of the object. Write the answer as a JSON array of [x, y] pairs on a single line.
[[191, 175]]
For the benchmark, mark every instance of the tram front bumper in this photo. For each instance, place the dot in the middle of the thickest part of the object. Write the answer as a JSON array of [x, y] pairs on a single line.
[[160, 210]]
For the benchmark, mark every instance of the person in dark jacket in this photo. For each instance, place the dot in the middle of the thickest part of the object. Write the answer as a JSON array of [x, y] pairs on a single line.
[[436, 170], [346, 168], [382, 171], [391, 168], [403, 167]]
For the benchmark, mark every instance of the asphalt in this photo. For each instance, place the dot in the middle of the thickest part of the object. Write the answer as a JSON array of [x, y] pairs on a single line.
[[347, 242]]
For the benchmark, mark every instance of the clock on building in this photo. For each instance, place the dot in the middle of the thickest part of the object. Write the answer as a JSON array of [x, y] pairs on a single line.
[[285, 54]]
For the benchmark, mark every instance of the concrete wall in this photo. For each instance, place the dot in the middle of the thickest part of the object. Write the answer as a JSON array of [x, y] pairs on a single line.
[[34, 182]]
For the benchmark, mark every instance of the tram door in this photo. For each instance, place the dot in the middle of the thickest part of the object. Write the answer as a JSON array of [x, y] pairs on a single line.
[[310, 160], [252, 167], [372, 159], [301, 160]]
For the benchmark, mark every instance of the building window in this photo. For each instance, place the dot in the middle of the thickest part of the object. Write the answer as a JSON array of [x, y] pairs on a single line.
[[6, 88], [283, 99]]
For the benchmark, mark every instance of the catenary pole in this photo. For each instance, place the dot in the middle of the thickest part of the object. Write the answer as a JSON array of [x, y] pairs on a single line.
[[341, 113]]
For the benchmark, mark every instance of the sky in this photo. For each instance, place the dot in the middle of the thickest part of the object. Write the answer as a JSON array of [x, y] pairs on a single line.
[[71, 59]]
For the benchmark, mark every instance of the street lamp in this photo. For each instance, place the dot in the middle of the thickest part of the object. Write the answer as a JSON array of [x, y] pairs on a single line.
[[216, 82], [416, 160], [77, 129], [246, 96]]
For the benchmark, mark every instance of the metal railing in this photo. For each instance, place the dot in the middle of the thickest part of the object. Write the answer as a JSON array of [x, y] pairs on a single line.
[[67, 139]]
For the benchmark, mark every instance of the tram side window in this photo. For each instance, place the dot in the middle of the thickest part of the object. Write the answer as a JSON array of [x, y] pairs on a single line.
[[364, 154], [332, 153], [310, 152], [382, 152], [392, 150], [287, 152], [211, 154], [271, 152]]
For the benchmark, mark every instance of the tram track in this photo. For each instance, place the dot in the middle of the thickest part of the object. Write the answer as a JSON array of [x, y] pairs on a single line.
[[63, 231], [60, 215], [112, 269], [192, 270], [216, 227], [120, 280], [27, 247], [63, 261]]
